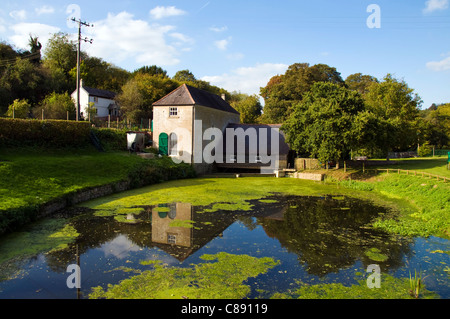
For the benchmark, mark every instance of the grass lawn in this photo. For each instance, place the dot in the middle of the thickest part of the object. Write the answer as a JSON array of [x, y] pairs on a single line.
[[433, 165], [32, 176]]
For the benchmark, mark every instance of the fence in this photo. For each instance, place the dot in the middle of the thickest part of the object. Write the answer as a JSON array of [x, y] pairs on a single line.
[[410, 172], [117, 123]]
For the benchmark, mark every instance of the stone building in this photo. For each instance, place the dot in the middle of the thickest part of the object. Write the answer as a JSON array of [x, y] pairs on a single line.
[[198, 127]]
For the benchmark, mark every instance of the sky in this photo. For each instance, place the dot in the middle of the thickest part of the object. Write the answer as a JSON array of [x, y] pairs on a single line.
[[240, 45]]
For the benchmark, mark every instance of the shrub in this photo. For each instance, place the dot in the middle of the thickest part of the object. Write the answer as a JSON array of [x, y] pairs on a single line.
[[50, 133], [112, 140]]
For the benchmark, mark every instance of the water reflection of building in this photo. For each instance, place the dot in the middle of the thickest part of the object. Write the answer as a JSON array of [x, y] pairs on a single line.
[[180, 229]]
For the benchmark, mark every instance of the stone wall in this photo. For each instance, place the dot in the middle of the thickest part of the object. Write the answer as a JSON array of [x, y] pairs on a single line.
[[82, 196]]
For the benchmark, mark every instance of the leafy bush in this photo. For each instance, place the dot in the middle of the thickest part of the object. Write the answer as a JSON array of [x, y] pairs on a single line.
[[112, 140], [159, 170], [51, 133]]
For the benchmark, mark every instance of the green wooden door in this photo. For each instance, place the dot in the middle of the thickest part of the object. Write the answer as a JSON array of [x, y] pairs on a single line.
[[163, 144]]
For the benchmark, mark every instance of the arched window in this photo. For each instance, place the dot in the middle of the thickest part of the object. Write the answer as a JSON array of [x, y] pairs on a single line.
[[173, 141]]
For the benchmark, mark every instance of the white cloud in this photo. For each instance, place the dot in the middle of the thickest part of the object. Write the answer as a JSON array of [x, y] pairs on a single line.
[[44, 10], [164, 12], [18, 14], [218, 29], [442, 65], [222, 44], [23, 30], [433, 5], [247, 79], [120, 38]]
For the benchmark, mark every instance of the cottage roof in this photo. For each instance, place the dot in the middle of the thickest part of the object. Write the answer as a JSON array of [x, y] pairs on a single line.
[[188, 95], [100, 93]]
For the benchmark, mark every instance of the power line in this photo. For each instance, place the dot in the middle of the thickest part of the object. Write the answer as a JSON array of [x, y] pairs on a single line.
[[11, 61]]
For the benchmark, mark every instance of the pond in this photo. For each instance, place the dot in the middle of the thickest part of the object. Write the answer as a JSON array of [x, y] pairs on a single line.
[[290, 241]]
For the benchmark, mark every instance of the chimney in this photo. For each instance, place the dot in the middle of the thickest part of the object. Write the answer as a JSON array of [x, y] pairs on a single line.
[[224, 97]]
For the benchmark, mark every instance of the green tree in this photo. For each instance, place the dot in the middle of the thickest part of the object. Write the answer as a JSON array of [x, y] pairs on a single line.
[[152, 70], [435, 125], [184, 76], [22, 80], [322, 125], [284, 91], [56, 106], [19, 109], [100, 74], [60, 57], [360, 83], [248, 106], [140, 92], [394, 102]]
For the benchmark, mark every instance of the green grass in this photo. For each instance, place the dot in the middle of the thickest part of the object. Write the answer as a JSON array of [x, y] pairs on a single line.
[[433, 165], [35, 176], [429, 200]]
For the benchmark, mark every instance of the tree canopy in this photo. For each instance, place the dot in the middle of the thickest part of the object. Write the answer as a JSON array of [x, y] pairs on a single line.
[[284, 91], [322, 124]]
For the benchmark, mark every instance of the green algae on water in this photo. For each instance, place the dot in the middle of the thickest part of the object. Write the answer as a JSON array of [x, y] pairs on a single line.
[[390, 288], [375, 254], [221, 276], [45, 236]]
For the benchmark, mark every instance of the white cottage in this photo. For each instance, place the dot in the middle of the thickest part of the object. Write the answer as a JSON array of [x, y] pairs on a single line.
[[103, 101]]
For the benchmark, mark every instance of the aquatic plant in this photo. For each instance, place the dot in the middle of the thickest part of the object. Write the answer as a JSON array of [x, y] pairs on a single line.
[[221, 276], [415, 284]]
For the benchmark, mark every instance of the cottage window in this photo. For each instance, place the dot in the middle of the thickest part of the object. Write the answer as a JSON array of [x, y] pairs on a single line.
[[173, 147], [95, 99], [173, 112]]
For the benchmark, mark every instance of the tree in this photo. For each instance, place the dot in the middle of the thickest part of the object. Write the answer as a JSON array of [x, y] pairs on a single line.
[[19, 109], [360, 83], [322, 124], [100, 74], [35, 49], [56, 106], [60, 57], [284, 91], [140, 92], [22, 80], [248, 106], [434, 126], [184, 76], [397, 105], [152, 70]]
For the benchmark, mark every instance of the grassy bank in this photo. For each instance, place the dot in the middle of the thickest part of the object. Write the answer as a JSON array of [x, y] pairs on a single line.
[[31, 177], [429, 198]]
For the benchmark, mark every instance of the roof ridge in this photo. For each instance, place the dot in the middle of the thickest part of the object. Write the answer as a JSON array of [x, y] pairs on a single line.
[[187, 87]]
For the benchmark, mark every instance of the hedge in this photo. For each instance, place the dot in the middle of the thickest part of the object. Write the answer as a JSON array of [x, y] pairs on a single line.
[[53, 133]]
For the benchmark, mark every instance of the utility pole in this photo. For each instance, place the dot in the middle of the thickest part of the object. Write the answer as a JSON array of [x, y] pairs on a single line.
[[80, 24]]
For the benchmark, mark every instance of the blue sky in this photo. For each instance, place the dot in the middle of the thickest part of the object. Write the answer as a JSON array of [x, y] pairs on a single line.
[[240, 45]]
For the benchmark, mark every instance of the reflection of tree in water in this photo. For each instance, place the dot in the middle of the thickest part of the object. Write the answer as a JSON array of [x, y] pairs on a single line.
[[329, 234]]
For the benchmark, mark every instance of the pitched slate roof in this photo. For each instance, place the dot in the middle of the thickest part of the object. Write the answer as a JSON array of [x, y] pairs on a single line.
[[100, 93], [188, 95]]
